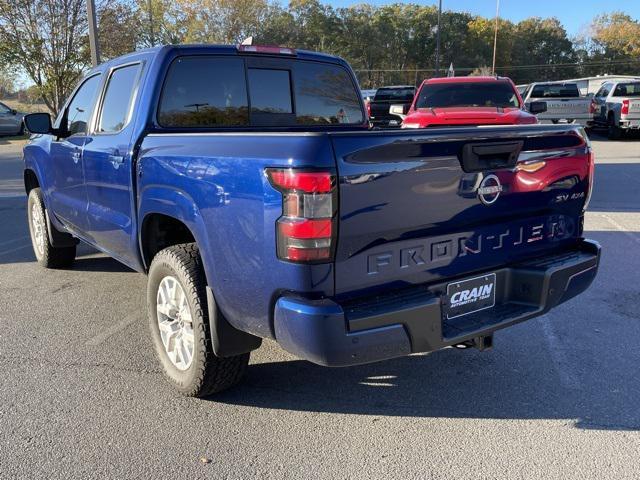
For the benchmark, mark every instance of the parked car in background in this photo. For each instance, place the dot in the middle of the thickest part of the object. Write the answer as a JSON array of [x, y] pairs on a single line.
[[453, 101], [368, 94], [378, 108], [10, 121], [564, 103], [618, 107]]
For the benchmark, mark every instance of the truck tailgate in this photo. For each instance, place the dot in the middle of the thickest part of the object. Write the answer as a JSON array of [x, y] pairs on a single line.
[[634, 108], [565, 108], [422, 205]]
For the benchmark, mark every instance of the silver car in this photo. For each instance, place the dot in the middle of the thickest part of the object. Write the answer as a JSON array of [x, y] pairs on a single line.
[[10, 121], [618, 107]]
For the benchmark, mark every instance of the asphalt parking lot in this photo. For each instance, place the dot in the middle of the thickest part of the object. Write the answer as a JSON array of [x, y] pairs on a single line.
[[81, 395]]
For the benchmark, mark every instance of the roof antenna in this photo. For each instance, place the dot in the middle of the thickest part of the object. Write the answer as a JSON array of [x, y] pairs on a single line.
[[247, 41]]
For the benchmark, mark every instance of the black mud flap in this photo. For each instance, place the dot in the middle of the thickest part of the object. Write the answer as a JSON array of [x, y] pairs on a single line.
[[226, 340]]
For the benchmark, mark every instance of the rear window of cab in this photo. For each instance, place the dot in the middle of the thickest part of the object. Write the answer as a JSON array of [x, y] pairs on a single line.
[[219, 92]]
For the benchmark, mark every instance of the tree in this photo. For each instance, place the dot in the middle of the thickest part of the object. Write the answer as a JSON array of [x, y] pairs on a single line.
[[222, 21], [617, 35], [160, 22], [542, 44], [119, 28], [45, 38], [7, 82]]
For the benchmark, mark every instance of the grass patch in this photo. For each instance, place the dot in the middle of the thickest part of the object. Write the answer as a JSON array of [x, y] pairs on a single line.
[[25, 107]]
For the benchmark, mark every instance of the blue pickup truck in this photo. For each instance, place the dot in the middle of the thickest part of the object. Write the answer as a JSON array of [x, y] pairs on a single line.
[[246, 184]]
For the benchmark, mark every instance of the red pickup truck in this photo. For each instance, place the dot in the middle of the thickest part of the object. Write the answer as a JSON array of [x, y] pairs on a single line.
[[468, 101]]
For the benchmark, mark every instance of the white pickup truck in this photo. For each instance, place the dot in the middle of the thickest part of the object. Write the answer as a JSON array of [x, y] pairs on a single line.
[[564, 103], [618, 107]]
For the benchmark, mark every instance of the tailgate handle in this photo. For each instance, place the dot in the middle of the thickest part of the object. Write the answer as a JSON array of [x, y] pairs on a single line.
[[478, 157]]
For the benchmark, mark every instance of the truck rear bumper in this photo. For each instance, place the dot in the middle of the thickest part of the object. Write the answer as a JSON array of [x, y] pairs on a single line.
[[400, 323]]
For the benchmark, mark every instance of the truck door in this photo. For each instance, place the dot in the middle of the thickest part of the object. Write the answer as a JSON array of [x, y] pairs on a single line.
[[68, 196], [108, 164]]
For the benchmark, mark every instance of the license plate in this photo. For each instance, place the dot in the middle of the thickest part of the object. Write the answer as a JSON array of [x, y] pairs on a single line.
[[472, 295]]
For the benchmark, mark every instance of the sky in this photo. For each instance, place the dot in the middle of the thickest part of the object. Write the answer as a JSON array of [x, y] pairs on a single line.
[[575, 15]]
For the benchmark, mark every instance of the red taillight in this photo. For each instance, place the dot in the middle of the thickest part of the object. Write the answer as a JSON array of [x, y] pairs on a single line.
[[369, 109], [625, 107], [593, 107], [308, 182], [306, 230]]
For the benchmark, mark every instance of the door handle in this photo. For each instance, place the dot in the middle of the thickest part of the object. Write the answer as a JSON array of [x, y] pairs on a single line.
[[116, 159]]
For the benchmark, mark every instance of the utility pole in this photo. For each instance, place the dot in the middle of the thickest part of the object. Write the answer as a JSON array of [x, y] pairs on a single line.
[[152, 37], [93, 33], [495, 39], [438, 39]]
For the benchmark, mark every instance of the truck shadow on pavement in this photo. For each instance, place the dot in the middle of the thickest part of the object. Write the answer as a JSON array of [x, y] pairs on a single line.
[[508, 383], [577, 365]]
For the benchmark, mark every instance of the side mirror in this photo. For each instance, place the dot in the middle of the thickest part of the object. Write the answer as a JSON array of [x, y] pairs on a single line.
[[537, 107], [14, 111], [38, 123], [399, 110]]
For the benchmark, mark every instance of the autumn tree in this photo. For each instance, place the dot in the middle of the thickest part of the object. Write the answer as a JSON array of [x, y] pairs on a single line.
[[45, 39]]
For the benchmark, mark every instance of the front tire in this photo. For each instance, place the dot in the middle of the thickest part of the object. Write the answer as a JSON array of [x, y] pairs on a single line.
[[47, 255], [179, 325]]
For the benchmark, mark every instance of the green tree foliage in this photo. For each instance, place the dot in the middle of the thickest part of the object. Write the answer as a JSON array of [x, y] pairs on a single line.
[[46, 40]]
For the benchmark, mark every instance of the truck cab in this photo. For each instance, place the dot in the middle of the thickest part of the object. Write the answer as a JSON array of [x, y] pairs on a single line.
[[456, 101]]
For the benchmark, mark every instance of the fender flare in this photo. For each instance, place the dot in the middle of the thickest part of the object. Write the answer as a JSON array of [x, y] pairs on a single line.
[[226, 340]]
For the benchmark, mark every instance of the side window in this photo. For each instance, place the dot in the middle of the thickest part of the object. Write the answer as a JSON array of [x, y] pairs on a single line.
[[117, 99], [204, 92], [79, 110], [4, 108], [606, 88]]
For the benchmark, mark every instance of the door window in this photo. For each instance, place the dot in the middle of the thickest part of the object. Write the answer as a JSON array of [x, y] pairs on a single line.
[[4, 108], [604, 90], [117, 99], [81, 106]]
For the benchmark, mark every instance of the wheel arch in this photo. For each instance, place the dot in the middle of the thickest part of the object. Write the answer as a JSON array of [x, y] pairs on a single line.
[[159, 231], [30, 179]]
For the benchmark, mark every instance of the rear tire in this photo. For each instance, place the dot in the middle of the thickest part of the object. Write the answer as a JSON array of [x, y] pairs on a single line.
[[614, 132], [47, 255], [179, 325]]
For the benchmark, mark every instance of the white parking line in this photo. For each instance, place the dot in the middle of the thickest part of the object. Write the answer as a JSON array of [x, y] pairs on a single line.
[[620, 227], [6, 252], [115, 328], [13, 240], [561, 363]]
